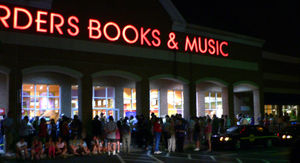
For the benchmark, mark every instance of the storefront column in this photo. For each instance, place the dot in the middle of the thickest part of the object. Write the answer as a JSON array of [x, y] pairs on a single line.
[[225, 101], [279, 110], [256, 105], [119, 104], [230, 103], [15, 95], [237, 105], [85, 98], [66, 99], [143, 98], [201, 103], [298, 112], [190, 99], [163, 97]]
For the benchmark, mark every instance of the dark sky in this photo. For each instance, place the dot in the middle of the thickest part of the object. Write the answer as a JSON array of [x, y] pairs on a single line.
[[278, 23]]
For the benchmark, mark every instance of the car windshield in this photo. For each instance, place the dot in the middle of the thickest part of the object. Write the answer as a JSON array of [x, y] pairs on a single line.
[[232, 129]]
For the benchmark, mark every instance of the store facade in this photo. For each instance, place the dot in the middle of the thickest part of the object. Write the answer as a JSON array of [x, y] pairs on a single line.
[[55, 61]]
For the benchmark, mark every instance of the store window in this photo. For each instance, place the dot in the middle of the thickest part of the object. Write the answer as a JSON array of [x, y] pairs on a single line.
[[175, 102], [291, 111], [103, 101], [41, 100], [74, 102], [213, 104], [154, 102], [271, 109], [129, 102]]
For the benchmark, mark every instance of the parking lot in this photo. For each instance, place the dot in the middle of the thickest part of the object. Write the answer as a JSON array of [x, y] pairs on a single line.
[[248, 155]]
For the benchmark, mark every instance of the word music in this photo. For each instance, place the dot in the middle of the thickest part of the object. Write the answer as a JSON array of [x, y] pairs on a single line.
[[19, 18]]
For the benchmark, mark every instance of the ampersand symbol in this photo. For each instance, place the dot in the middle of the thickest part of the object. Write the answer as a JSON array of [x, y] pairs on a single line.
[[172, 44]]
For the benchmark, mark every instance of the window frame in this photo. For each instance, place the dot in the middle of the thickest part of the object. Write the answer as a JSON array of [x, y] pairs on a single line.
[[35, 98]]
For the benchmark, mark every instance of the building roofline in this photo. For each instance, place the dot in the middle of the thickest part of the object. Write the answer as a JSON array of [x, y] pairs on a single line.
[[181, 25], [280, 57]]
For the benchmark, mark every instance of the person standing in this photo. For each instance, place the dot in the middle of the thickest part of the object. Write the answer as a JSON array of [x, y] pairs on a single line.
[[52, 129], [215, 124], [110, 129], [172, 139], [157, 129], [25, 130], [166, 131], [43, 130], [208, 133], [9, 132], [96, 126], [227, 122], [196, 134], [35, 125], [180, 134], [75, 126], [126, 136]]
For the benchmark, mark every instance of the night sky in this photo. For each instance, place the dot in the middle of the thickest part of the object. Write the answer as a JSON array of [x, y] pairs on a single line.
[[278, 23]]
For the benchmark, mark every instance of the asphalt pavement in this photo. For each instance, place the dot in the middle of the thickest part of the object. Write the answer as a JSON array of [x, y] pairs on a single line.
[[247, 155]]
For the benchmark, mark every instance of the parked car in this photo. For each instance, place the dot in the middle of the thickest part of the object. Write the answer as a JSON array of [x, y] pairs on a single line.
[[243, 135], [290, 134]]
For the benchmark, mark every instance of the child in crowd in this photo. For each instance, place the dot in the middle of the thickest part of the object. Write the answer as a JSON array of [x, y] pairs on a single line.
[[103, 143], [74, 145], [36, 149], [51, 148], [61, 147], [84, 148], [21, 149], [95, 145]]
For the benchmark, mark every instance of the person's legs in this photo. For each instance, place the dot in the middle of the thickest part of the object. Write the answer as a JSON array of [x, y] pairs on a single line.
[[114, 148], [209, 144], [157, 140], [170, 144], [9, 142], [108, 147], [118, 146], [128, 143], [180, 145], [173, 142], [124, 144], [32, 154], [64, 151]]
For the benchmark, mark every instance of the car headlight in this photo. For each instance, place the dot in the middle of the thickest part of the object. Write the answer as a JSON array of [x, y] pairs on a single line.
[[221, 138], [289, 137], [283, 136], [226, 139]]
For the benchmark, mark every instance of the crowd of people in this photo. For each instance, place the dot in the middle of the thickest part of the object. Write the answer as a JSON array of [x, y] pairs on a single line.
[[39, 138]]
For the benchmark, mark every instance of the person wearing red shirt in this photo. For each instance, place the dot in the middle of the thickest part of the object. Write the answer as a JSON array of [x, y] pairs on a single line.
[[157, 129]]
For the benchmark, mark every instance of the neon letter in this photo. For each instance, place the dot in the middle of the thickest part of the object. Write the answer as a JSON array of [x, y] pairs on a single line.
[[4, 18], [117, 28], [143, 36], [135, 31], [200, 45], [156, 37], [39, 21], [16, 12], [211, 43], [217, 47], [189, 45], [76, 32], [92, 28], [57, 26], [221, 48]]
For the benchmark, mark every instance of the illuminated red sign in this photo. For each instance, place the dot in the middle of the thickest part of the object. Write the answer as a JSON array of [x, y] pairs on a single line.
[[21, 19]]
